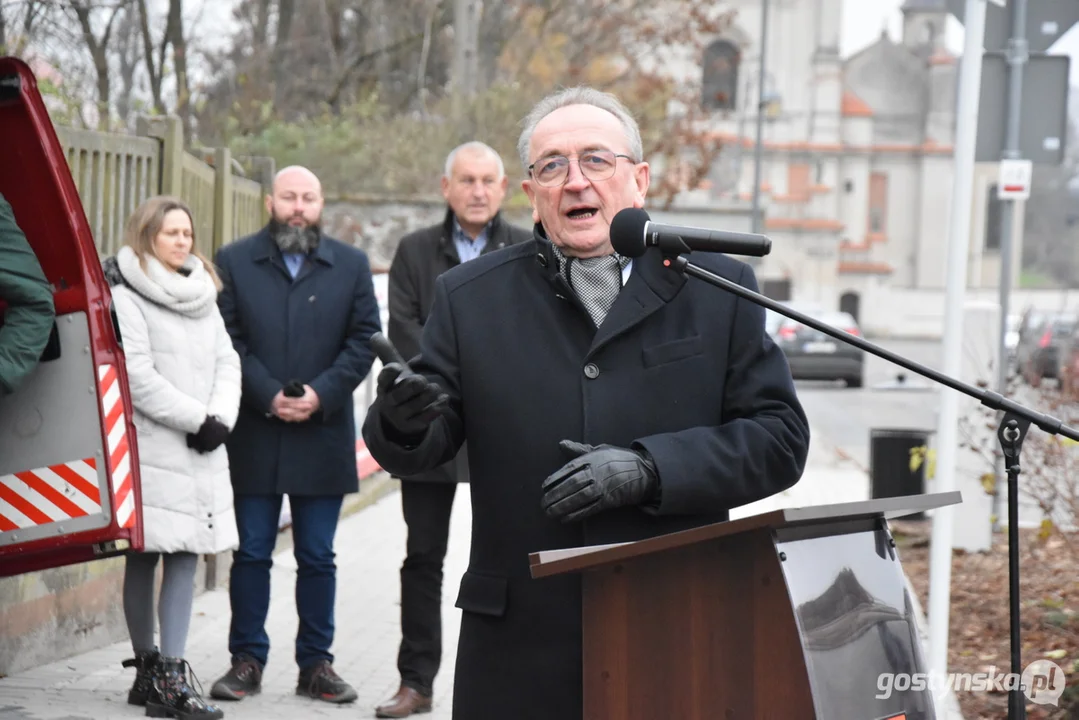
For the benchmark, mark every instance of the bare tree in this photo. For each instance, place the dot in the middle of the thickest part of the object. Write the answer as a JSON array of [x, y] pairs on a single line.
[[128, 57], [262, 23], [98, 47], [174, 29], [285, 10], [154, 70], [18, 23]]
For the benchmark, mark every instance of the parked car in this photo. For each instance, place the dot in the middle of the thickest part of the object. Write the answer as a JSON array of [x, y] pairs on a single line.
[[1042, 349], [1069, 368], [814, 355], [773, 319]]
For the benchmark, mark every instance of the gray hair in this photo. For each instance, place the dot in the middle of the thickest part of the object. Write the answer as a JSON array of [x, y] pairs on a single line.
[[474, 145], [581, 95]]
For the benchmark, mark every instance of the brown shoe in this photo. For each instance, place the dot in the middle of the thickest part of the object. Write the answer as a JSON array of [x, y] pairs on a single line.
[[407, 701]]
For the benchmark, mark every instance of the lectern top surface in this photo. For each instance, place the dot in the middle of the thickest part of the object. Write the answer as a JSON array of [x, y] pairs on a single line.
[[554, 562]]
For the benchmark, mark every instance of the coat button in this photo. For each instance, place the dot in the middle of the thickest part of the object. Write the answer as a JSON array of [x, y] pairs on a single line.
[[591, 371], [542, 259]]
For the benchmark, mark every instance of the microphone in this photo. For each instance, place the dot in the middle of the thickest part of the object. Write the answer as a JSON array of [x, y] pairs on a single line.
[[385, 350], [632, 232]]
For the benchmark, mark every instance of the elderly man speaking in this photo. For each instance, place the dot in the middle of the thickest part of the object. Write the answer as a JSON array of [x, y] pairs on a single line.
[[604, 401]]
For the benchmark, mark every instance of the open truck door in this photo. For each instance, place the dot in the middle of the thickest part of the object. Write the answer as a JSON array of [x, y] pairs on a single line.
[[69, 484]]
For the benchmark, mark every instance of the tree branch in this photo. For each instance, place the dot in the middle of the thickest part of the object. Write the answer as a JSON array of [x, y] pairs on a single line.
[[359, 60], [148, 54]]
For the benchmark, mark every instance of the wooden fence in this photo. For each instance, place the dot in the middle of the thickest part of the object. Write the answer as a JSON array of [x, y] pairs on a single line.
[[114, 173]]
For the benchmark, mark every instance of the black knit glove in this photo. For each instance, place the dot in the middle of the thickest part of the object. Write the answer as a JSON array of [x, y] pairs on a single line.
[[210, 436]]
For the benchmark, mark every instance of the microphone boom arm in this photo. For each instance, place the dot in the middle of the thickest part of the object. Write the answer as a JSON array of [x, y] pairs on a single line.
[[990, 399], [1011, 432]]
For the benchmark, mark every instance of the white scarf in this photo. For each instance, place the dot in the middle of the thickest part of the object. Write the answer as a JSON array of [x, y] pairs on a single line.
[[193, 294]]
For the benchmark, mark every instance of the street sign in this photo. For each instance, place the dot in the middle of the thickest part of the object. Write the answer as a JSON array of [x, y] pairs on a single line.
[[1047, 21], [1043, 117], [1013, 182]]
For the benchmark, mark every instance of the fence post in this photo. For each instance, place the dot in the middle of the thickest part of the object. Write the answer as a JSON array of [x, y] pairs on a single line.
[[262, 170], [170, 132], [222, 198]]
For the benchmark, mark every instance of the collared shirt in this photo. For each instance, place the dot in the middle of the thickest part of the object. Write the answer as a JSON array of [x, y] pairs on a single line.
[[294, 261], [468, 248]]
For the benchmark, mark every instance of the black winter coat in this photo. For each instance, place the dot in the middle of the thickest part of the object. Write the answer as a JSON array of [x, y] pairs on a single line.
[[421, 257], [678, 368], [315, 329]]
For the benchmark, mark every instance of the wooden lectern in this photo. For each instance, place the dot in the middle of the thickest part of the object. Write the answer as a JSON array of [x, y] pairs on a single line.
[[800, 613]]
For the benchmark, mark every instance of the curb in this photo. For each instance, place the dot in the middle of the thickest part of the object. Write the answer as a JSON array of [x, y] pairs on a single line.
[[372, 489]]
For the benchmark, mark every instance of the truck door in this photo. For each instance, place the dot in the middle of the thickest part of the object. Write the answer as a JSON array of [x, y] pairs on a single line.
[[69, 484]]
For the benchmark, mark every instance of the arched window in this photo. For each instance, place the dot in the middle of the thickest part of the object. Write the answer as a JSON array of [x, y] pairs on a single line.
[[719, 83]]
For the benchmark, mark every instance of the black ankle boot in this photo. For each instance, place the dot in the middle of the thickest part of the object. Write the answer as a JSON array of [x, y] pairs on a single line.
[[143, 662], [172, 697]]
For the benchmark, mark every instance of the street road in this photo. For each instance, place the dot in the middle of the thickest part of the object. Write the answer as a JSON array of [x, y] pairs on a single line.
[[842, 417]]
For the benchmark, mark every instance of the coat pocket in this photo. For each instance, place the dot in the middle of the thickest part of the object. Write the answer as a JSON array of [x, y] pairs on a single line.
[[483, 594], [671, 351]]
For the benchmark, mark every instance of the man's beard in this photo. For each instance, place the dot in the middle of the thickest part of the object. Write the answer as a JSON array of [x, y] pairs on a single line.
[[291, 239]]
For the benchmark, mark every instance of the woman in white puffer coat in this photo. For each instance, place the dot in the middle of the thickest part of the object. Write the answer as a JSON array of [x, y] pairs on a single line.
[[185, 387]]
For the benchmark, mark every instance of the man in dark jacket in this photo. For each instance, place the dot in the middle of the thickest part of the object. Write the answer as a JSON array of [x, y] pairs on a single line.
[[301, 309], [605, 401], [474, 184], [28, 320]]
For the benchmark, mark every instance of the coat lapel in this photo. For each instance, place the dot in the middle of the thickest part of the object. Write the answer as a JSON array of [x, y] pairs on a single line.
[[497, 235], [267, 252], [322, 257], [651, 285]]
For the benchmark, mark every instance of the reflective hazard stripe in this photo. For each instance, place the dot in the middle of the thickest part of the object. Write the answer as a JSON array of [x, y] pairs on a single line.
[[49, 494], [119, 465]]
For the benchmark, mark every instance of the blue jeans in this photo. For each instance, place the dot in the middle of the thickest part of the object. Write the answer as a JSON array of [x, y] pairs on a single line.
[[314, 523]]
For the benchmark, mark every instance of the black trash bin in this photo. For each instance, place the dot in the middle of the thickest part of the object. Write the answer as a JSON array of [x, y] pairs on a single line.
[[889, 463]]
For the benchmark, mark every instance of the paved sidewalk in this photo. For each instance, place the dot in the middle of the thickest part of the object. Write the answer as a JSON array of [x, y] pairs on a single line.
[[370, 546]]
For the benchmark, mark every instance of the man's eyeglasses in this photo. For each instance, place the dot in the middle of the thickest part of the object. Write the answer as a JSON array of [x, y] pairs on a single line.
[[595, 165]]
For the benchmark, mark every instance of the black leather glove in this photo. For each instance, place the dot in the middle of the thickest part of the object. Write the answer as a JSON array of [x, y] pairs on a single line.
[[210, 436], [598, 478], [408, 402], [293, 389]]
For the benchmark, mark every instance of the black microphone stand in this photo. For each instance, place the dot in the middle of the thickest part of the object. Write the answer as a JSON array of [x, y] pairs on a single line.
[[1011, 432]]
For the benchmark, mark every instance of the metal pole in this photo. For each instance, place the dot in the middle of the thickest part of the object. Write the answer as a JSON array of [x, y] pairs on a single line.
[[758, 145], [940, 559], [1017, 58]]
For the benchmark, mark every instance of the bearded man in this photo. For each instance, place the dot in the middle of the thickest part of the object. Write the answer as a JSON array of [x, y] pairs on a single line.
[[301, 309]]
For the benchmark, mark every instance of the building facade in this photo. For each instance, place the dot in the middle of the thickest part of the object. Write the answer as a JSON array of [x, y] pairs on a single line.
[[857, 152]]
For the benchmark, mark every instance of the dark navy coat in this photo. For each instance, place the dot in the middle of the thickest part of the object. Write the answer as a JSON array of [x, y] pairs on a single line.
[[421, 257], [679, 368], [315, 329]]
